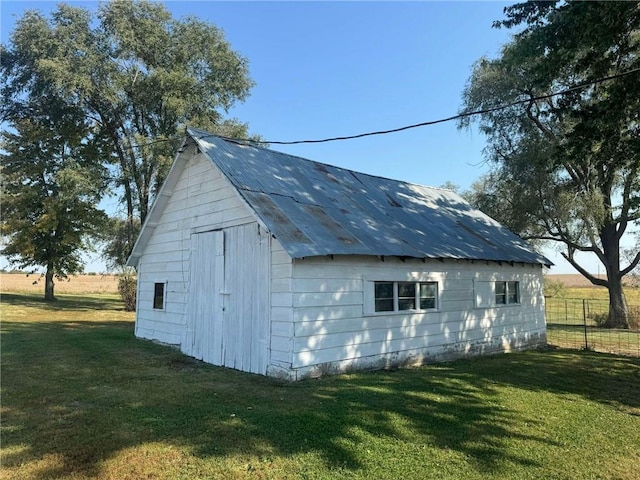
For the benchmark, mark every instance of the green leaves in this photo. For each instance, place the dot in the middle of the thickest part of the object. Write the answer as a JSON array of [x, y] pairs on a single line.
[[588, 137], [136, 75], [49, 199], [567, 167]]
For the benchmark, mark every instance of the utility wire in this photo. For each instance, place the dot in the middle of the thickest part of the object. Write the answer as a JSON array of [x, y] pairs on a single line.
[[433, 122], [460, 115]]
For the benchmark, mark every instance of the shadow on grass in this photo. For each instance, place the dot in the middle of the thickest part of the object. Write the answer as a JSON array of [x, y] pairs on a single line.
[[64, 302], [84, 392]]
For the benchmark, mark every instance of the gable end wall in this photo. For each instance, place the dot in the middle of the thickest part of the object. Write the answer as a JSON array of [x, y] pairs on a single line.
[[202, 200]]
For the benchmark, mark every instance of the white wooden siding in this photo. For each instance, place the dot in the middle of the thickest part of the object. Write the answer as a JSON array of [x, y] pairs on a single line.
[[333, 330], [203, 201], [281, 311]]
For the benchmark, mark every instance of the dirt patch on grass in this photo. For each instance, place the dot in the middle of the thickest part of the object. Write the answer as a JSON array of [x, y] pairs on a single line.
[[76, 284]]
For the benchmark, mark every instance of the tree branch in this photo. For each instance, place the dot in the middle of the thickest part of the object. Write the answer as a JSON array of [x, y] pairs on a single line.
[[566, 241], [632, 265], [534, 118], [583, 272]]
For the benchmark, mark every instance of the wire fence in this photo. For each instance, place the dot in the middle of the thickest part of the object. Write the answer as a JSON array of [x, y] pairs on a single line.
[[576, 323]]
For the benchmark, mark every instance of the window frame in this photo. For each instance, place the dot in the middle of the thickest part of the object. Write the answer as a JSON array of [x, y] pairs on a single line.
[[162, 297], [508, 287], [420, 297], [370, 304]]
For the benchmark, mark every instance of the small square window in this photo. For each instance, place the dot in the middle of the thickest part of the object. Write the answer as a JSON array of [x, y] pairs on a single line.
[[507, 293], [158, 296]]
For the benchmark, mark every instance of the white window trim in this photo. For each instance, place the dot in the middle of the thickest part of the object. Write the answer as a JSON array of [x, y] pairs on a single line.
[[484, 291], [164, 297], [370, 297]]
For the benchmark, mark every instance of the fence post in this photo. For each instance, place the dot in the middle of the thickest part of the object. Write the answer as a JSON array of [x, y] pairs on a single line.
[[584, 319]]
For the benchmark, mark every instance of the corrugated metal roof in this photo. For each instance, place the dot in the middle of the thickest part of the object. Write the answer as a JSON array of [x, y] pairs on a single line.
[[318, 209]]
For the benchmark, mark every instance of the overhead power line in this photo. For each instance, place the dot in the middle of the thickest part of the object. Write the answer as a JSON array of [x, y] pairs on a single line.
[[433, 122], [460, 115]]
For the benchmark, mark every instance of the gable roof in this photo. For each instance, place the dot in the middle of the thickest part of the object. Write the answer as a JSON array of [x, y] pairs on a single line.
[[317, 209]]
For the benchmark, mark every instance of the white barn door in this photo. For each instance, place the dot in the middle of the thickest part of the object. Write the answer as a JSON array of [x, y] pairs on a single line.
[[246, 325], [229, 322], [206, 307]]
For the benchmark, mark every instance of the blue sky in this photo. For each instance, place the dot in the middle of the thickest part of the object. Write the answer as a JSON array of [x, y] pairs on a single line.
[[326, 69]]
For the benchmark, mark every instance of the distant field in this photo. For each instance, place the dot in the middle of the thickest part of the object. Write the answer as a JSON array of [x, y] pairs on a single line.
[[576, 286], [76, 284], [572, 280]]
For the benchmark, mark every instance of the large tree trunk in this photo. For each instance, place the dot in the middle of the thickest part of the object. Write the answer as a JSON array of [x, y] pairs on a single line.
[[610, 257], [618, 308], [48, 285]]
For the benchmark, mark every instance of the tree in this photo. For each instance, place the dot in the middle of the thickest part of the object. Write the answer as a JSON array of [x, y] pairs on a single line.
[[116, 236], [138, 75], [50, 187], [565, 167]]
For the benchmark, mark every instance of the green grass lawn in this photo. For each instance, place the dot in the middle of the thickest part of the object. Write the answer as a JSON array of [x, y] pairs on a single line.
[[82, 398]]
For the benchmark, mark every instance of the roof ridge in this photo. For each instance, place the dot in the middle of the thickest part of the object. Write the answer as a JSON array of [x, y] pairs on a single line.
[[248, 143]]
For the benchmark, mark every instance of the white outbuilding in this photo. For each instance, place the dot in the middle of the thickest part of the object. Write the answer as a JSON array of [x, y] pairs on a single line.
[[273, 264]]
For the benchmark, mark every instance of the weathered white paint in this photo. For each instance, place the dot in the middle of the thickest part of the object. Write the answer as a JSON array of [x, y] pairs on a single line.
[[216, 262], [281, 343], [205, 311], [246, 325], [335, 328]]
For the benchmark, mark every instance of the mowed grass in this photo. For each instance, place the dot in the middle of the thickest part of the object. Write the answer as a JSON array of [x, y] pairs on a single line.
[[82, 398]]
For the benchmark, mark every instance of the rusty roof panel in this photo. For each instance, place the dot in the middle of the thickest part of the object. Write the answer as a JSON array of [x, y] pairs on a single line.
[[318, 209]]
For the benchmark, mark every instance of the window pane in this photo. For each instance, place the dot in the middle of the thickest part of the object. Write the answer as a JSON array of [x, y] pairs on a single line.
[[406, 289], [384, 305], [514, 293], [501, 293], [428, 294], [426, 303], [158, 296], [427, 290], [406, 304], [384, 290], [406, 296], [384, 296]]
